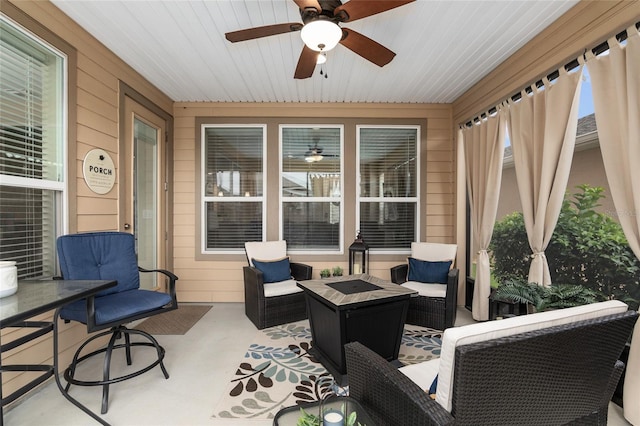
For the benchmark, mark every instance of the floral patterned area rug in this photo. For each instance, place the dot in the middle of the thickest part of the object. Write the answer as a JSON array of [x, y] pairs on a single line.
[[277, 371]]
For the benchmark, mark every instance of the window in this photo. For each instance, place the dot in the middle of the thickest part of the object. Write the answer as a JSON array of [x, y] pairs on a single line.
[[233, 186], [311, 187], [388, 175], [32, 134]]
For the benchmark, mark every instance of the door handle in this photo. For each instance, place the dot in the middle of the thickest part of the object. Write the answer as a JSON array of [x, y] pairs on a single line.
[[127, 226]]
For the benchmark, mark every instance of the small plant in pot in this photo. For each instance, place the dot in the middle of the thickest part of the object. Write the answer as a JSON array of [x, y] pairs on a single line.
[[337, 271], [325, 273]]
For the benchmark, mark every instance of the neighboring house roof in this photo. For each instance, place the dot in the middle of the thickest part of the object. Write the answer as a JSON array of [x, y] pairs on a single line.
[[586, 124], [586, 135]]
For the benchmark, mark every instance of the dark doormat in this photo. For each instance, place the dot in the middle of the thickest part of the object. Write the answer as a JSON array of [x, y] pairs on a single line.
[[178, 321]]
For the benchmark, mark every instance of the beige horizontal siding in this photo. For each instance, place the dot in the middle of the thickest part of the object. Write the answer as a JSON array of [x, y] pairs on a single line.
[[221, 280]]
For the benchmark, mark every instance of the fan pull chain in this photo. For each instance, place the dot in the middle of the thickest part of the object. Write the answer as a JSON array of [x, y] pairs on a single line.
[[326, 75]]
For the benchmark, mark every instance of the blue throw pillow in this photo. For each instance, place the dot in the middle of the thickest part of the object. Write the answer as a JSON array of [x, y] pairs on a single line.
[[433, 388], [428, 272], [273, 271]]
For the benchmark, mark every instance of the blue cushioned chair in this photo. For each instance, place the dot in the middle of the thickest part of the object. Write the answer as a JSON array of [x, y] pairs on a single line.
[[111, 256]]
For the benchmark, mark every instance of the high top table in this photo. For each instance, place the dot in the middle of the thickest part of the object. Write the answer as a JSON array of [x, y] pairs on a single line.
[[360, 308], [33, 298]]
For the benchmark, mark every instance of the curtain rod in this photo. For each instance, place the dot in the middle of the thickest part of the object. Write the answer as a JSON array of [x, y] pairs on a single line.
[[598, 50]]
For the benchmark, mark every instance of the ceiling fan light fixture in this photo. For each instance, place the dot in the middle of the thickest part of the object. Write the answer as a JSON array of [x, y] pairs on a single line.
[[313, 158], [321, 35]]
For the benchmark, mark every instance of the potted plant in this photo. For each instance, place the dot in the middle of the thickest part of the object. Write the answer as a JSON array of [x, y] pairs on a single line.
[[309, 419], [337, 271], [325, 273], [539, 298]]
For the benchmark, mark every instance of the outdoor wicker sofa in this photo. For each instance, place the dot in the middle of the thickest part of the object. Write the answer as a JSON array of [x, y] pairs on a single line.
[[556, 372]]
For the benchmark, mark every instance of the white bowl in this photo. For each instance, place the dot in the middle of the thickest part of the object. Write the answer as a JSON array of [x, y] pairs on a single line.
[[8, 278]]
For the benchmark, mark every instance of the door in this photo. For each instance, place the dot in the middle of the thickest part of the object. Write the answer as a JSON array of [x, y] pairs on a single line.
[[144, 177]]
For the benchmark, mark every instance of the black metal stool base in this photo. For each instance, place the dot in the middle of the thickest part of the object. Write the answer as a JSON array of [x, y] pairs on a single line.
[[116, 333]]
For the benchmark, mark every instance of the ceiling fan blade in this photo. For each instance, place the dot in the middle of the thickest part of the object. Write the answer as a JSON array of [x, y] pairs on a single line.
[[265, 31], [304, 4], [306, 63], [367, 48], [358, 9]]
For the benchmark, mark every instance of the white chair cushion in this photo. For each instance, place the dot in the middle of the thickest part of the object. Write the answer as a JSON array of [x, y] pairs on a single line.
[[427, 289], [265, 250], [479, 332], [434, 252], [422, 373], [281, 288]]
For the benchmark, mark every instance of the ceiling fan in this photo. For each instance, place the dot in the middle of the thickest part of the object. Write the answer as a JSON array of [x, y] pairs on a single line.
[[315, 154], [320, 31]]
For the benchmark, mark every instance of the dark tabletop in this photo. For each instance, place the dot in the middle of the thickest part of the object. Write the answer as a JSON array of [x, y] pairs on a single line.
[[38, 296]]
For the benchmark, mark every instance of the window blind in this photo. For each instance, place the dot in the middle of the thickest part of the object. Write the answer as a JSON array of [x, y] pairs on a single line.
[[30, 121], [21, 109], [234, 186], [311, 187], [388, 186]]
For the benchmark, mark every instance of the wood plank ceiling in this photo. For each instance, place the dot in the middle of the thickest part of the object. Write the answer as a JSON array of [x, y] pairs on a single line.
[[442, 48]]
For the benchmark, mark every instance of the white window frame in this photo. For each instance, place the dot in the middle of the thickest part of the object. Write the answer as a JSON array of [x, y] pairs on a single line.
[[204, 199], [416, 199], [282, 199], [59, 187]]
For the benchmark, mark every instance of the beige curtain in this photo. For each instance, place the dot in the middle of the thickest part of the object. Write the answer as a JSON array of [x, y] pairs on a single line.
[[542, 128], [324, 184], [615, 79], [483, 154]]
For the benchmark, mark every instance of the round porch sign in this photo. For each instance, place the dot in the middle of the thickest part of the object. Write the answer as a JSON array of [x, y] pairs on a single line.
[[99, 171]]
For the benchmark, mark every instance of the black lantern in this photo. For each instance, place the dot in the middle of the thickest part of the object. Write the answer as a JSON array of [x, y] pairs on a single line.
[[358, 256]]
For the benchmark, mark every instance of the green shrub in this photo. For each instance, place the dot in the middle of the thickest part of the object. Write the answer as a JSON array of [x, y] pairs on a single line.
[[556, 296], [587, 248], [511, 254]]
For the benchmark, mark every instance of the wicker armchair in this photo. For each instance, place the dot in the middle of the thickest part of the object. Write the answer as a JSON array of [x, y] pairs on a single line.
[[564, 374], [436, 304], [283, 302]]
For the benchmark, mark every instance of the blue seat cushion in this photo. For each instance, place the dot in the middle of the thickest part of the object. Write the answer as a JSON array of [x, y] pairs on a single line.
[[428, 272], [274, 271], [116, 306]]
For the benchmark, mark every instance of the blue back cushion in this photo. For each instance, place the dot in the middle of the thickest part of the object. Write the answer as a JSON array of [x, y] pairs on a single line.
[[100, 256], [274, 271], [428, 272]]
